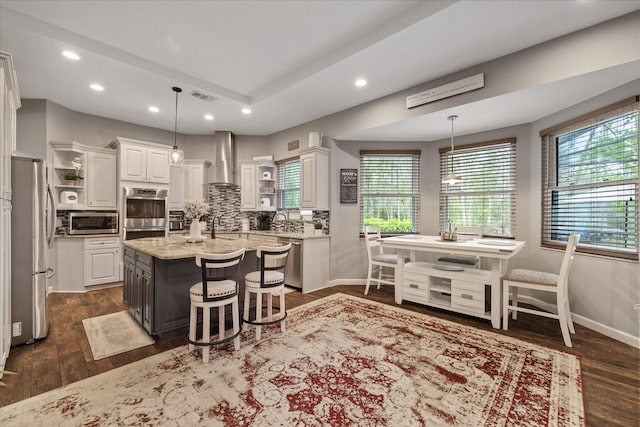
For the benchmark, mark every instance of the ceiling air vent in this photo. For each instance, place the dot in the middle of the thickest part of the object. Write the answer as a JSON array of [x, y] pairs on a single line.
[[202, 96]]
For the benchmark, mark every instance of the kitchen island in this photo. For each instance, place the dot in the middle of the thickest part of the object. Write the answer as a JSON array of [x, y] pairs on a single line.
[[158, 273]]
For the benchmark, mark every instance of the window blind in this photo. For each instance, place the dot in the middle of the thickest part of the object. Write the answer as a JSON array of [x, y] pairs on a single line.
[[288, 184], [390, 190], [486, 196], [590, 183]]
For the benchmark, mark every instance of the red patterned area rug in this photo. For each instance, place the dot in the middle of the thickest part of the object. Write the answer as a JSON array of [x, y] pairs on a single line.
[[343, 361]]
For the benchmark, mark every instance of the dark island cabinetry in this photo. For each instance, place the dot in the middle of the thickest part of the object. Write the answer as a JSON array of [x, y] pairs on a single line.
[[156, 291]]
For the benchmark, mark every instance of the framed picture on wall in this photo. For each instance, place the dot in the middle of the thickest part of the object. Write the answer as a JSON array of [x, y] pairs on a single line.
[[348, 185]]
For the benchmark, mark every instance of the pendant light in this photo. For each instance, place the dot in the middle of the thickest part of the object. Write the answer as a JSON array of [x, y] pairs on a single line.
[[451, 178], [177, 155]]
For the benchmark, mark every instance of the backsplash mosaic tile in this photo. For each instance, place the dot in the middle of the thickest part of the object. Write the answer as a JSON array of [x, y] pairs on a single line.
[[224, 201]]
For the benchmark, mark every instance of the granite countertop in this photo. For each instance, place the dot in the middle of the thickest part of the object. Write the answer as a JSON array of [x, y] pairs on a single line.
[[177, 247]]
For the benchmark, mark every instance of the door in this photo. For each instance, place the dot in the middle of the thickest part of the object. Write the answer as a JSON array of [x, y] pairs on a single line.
[[134, 163], [101, 266], [195, 182], [101, 180], [176, 188], [248, 187], [158, 165], [308, 181]]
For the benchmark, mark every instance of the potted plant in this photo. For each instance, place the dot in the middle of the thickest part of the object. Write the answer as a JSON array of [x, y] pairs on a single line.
[[71, 178], [318, 226]]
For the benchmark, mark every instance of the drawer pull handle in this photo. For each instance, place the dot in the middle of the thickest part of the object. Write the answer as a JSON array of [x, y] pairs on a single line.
[[414, 286], [465, 296]]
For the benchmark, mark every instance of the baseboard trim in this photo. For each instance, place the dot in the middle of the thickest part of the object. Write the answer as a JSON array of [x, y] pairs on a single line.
[[587, 323], [605, 330]]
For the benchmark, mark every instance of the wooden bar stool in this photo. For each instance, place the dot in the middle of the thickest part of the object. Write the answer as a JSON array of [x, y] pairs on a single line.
[[219, 288], [269, 280]]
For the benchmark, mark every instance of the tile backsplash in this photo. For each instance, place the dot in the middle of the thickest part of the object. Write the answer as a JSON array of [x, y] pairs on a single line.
[[225, 207]]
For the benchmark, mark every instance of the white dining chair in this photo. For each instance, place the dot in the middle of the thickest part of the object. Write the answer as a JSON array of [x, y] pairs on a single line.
[[542, 281], [378, 260], [464, 260]]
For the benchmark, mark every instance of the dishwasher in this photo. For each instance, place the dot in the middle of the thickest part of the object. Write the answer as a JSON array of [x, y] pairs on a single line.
[[293, 270]]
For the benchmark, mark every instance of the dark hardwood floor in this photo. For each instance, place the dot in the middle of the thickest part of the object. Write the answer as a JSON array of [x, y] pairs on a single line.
[[610, 369]]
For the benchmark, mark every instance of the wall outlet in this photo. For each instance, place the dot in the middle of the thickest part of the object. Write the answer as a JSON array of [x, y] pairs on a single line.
[[16, 329]]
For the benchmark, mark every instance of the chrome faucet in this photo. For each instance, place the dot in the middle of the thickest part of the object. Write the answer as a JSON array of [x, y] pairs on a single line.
[[213, 226]]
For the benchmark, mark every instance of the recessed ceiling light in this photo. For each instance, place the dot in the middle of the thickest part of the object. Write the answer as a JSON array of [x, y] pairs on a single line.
[[208, 117], [246, 110], [154, 109], [71, 55], [361, 82], [96, 87]]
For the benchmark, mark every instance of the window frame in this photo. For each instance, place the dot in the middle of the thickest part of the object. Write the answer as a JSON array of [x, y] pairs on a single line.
[[281, 191], [549, 185], [461, 156], [415, 194]]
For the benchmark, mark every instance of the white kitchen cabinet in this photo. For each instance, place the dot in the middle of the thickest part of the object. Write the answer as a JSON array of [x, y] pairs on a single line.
[[248, 187], [176, 188], [97, 186], [258, 186], [101, 260], [102, 180], [196, 173], [314, 178], [143, 161], [9, 103]]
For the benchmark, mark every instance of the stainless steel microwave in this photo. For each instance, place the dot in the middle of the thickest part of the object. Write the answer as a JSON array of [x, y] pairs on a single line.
[[93, 223]]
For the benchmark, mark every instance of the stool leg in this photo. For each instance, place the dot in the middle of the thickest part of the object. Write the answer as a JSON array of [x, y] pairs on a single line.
[[269, 306], [258, 315], [282, 310], [206, 332], [193, 317], [236, 323], [221, 322], [247, 301]]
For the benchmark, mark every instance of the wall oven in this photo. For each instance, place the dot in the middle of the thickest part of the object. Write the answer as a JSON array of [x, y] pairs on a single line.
[[93, 223], [145, 212]]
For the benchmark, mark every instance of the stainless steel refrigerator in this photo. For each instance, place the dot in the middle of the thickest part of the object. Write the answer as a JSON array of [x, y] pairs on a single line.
[[32, 227]]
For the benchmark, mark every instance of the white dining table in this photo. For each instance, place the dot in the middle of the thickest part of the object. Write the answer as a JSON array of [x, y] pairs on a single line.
[[496, 251]]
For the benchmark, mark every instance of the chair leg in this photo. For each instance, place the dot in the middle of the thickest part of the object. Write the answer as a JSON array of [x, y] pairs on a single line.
[[221, 322], [236, 323], [193, 318], [505, 307], [206, 332], [269, 307], [569, 319], [369, 272], [514, 303], [282, 310], [564, 323], [379, 276], [258, 316]]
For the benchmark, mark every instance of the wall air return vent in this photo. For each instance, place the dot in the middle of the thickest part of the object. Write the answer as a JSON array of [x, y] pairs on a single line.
[[203, 96]]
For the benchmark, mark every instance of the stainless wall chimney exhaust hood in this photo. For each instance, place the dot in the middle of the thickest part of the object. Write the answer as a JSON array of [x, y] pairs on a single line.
[[224, 167]]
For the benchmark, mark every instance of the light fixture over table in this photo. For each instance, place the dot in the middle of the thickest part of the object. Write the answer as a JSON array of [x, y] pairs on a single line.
[[451, 178], [177, 155]]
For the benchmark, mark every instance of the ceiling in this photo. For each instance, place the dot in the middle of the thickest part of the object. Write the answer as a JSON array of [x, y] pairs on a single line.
[[289, 61]]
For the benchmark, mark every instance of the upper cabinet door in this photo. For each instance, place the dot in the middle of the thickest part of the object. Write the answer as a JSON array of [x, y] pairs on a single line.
[[158, 165], [314, 178], [248, 187], [134, 163], [176, 188], [102, 182]]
